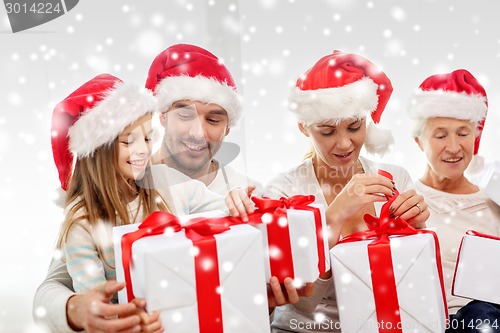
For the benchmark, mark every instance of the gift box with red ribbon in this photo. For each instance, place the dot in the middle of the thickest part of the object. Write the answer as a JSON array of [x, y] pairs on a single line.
[[203, 274], [294, 236], [476, 275], [389, 277]]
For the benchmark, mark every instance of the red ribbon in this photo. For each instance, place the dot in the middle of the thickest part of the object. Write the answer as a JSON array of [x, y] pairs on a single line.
[[380, 258], [278, 234], [480, 234], [201, 233]]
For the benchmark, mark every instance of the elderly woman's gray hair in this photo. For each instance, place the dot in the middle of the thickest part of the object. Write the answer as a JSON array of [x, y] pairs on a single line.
[[418, 126]]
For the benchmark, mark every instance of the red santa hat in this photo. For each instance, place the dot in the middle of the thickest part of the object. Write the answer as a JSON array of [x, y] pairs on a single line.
[[454, 95], [93, 116], [186, 71], [344, 86]]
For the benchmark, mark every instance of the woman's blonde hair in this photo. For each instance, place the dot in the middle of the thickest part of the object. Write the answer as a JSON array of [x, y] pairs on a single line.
[[94, 193]]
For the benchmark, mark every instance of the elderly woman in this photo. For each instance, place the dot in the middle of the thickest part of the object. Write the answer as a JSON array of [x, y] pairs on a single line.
[[332, 102], [449, 112]]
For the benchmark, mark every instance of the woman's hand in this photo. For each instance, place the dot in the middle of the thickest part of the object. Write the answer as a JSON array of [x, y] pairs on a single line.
[[411, 207], [361, 190], [239, 203]]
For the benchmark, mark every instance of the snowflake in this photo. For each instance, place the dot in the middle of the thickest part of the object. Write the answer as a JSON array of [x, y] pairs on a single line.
[[258, 299], [268, 4], [227, 266], [303, 241], [275, 252], [194, 251], [319, 317], [15, 99], [40, 312], [177, 317], [398, 14], [346, 278], [163, 284]]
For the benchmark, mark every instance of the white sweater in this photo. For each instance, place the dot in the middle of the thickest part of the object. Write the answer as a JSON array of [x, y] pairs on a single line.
[[451, 216], [319, 313], [183, 195], [227, 178]]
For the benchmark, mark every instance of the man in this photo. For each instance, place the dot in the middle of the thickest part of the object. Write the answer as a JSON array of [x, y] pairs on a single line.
[[199, 105]]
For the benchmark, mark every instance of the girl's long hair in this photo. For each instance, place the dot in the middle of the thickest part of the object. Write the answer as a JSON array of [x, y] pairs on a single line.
[[94, 193]]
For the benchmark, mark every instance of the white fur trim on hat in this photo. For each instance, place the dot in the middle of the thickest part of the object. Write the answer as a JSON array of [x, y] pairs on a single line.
[[199, 88], [352, 101], [378, 140], [102, 124], [439, 103]]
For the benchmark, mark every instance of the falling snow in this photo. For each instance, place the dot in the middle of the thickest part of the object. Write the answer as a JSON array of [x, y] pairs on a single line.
[[279, 41]]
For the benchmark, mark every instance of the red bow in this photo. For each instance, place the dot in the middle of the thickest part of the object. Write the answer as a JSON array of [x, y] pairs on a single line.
[[380, 258], [201, 233]]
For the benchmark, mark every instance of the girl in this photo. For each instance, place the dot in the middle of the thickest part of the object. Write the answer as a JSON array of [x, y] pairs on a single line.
[[331, 101], [108, 124]]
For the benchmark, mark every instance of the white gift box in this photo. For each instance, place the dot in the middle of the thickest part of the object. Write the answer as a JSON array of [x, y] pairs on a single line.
[[303, 238], [476, 274], [163, 273], [489, 180], [492, 189], [419, 288]]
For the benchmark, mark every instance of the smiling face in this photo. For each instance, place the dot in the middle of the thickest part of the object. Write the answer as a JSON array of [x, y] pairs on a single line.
[[337, 145], [134, 148], [448, 145], [193, 134]]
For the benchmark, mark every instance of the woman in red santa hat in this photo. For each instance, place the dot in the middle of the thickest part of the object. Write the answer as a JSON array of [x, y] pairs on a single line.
[[332, 101], [449, 112], [106, 125]]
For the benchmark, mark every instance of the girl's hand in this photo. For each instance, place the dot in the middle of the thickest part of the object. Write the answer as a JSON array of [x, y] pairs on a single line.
[[150, 322]]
